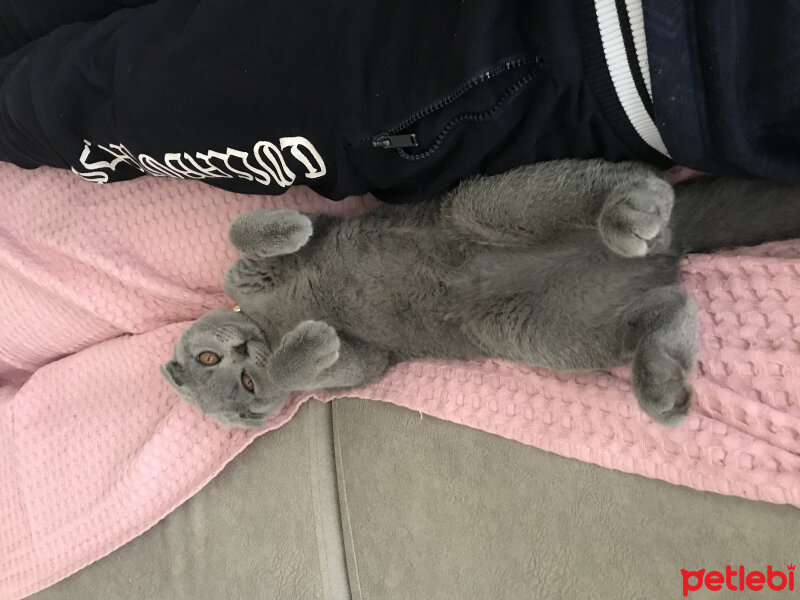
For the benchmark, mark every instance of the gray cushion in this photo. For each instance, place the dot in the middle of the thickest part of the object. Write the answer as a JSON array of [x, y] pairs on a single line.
[[252, 533], [430, 509], [436, 510]]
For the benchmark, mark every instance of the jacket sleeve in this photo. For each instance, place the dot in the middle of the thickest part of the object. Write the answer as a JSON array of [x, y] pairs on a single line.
[[726, 84], [185, 89]]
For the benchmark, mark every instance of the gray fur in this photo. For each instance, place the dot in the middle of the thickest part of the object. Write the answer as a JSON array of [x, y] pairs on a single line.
[[569, 264]]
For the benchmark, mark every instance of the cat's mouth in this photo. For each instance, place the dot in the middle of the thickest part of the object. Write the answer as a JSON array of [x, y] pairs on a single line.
[[249, 415], [250, 419]]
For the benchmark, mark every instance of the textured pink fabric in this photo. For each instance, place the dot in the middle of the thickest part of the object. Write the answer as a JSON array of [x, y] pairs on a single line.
[[96, 283]]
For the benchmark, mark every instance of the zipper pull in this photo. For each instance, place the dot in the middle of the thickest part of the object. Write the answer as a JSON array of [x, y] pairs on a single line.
[[386, 141]]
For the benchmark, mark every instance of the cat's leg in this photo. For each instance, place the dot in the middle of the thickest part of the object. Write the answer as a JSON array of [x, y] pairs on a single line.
[[627, 203], [261, 236], [312, 356], [586, 309], [664, 331], [266, 233]]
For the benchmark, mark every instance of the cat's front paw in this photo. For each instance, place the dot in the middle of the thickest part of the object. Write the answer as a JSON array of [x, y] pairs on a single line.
[[319, 342], [635, 220], [305, 352], [265, 233]]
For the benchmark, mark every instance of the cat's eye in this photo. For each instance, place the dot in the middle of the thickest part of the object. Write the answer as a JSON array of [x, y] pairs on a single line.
[[208, 358], [247, 382]]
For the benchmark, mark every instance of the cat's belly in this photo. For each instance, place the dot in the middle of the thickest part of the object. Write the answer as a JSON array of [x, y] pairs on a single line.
[[396, 296], [410, 326], [563, 308]]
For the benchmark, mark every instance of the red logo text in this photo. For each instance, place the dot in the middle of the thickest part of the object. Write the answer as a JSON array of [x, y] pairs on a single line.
[[738, 580]]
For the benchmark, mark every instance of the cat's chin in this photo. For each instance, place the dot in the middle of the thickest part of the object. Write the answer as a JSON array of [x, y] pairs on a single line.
[[248, 419], [240, 422], [252, 424]]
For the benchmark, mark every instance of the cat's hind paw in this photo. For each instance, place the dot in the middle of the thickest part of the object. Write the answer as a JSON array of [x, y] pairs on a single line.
[[265, 233], [665, 399], [635, 220], [661, 379]]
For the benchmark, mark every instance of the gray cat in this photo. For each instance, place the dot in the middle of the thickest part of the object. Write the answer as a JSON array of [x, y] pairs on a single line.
[[571, 265]]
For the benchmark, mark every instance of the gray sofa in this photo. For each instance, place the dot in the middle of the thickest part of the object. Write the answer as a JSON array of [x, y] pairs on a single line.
[[365, 500]]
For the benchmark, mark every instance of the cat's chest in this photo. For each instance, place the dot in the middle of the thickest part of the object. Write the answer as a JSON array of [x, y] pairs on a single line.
[[282, 302], [273, 285], [267, 276]]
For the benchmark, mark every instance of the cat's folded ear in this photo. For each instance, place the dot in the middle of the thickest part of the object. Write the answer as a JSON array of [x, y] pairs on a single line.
[[174, 373]]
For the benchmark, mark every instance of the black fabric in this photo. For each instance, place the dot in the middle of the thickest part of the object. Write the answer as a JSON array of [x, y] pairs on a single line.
[[210, 87], [401, 99], [22, 21], [633, 61], [599, 79], [726, 84]]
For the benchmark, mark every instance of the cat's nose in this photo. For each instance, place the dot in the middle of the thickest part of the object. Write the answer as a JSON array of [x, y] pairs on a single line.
[[241, 349]]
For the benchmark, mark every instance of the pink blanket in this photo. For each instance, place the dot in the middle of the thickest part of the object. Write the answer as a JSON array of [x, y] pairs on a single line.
[[96, 283]]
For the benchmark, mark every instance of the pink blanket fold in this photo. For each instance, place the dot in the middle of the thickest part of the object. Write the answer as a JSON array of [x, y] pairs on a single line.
[[96, 283]]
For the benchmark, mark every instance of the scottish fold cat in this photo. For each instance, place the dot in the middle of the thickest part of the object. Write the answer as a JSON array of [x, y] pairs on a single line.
[[571, 265]]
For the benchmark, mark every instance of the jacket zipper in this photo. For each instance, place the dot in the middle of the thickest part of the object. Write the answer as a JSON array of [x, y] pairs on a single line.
[[384, 140], [391, 139]]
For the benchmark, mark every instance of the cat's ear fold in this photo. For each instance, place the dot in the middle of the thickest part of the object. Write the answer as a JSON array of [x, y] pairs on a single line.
[[174, 373]]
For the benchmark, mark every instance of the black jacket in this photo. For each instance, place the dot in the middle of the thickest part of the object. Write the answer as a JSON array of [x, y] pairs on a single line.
[[401, 99]]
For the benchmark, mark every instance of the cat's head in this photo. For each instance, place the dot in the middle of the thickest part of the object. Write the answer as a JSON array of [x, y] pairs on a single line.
[[220, 365]]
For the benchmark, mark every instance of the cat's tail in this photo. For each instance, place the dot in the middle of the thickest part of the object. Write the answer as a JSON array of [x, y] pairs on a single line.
[[711, 213]]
